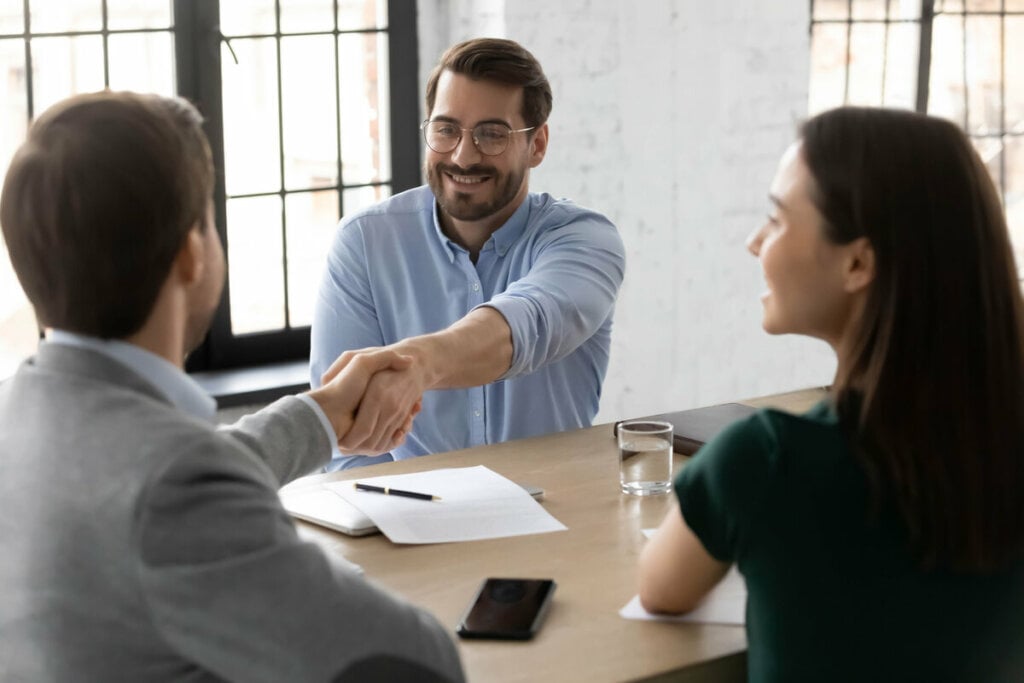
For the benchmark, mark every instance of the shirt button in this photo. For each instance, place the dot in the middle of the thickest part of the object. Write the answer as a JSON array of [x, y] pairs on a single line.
[[476, 287], [476, 413]]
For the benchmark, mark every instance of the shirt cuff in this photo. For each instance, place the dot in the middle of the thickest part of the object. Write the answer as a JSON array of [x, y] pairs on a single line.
[[324, 422], [517, 316]]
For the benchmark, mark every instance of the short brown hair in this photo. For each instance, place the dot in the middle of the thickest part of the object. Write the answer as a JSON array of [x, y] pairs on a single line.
[[97, 203], [933, 388], [501, 61]]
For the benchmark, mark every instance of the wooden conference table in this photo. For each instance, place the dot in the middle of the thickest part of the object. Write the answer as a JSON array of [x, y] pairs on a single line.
[[593, 563]]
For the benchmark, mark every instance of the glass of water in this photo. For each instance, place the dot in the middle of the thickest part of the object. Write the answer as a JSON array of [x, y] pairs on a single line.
[[645, 457]]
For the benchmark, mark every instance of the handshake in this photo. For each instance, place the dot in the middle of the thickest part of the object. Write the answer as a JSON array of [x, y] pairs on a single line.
[[370, 397]]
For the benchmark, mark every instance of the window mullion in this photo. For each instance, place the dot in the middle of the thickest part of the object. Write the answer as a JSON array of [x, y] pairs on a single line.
[[281, 163], [924, 55], [30, 99], [198, 72], [104, 26]]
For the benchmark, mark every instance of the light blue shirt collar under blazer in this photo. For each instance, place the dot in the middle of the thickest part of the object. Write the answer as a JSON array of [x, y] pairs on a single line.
[[183, 392], [177, 387], [180, 389], [553, 271]]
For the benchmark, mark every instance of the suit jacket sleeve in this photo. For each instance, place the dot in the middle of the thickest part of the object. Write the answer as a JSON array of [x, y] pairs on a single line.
[[286, 435], [232, 588]]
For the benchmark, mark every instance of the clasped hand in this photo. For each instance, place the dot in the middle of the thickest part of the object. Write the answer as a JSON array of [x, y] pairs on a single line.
[[390, 389]]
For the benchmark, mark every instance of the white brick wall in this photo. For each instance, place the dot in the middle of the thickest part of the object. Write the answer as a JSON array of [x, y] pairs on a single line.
[[669, 117]]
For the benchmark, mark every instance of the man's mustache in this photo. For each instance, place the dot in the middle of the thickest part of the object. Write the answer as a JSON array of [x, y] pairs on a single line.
[[476, 169]]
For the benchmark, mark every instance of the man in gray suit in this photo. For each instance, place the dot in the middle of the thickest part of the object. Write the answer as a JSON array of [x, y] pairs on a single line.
[[138, 541]]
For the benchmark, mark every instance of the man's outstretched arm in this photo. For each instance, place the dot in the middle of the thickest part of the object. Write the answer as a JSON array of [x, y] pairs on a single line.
[[475, 350]]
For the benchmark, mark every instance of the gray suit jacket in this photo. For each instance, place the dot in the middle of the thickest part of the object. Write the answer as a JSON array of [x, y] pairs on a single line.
[[140, 544]]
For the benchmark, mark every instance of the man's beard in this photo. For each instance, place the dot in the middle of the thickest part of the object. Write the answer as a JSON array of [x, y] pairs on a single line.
[[461, 206]]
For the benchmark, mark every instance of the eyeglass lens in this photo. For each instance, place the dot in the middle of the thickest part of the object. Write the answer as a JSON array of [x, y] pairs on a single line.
[[443, 137]]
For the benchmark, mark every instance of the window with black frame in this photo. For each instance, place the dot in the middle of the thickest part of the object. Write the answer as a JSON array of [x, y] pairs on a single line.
[[959, 59], [311, 108]]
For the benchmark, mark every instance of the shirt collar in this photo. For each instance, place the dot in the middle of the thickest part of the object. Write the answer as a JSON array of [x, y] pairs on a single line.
[[180, 389], [502, 238]]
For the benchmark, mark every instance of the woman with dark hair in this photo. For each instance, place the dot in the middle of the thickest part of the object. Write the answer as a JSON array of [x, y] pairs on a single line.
[[880, 534]]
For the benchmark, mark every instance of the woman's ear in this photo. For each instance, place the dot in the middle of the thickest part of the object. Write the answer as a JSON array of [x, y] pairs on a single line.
[[860, 265]]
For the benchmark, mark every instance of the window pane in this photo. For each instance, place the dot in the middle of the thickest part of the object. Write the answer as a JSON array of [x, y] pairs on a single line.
[[949, 5], [983, 5], [901, 69], [1015, 73], [867, 57], [251, 135], [905, 9], [828, 67], [12, 18], [13, 100], [946, 83], [983, 75], [359, 198], [312, 220], [365, 119], [869, 9], [306, 15], [48, 16], [1015, 5], [831, 9], [310, 107], [62, 67], [143, 62], [129, 14], [244, 17], [356, 14], [255, 273]]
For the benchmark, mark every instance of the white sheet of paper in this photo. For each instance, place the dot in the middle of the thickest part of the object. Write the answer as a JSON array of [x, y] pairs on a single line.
[[725, 604], [476, 503]]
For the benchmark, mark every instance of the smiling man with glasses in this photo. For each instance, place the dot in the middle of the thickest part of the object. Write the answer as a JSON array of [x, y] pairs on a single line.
[[503, 298]]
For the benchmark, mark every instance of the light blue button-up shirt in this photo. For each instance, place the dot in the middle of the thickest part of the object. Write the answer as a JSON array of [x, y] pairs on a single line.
[[553, 271]]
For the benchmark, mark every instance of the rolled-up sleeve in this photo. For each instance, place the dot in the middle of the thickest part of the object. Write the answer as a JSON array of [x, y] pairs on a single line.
[[567, 295]]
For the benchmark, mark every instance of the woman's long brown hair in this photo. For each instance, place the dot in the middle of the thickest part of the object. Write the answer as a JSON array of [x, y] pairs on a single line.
[[934, 388]]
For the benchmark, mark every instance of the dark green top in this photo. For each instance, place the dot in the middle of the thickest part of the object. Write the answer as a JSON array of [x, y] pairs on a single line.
[[833, 595]]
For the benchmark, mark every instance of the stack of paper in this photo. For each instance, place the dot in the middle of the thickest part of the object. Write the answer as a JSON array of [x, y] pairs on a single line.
[[475, 503], [725, 604]]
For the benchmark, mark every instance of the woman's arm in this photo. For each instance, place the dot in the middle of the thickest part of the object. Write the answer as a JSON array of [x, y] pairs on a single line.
[[676, 572]]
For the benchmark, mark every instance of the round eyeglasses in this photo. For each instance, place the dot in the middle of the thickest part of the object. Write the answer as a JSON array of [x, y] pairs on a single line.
[[490, 138]]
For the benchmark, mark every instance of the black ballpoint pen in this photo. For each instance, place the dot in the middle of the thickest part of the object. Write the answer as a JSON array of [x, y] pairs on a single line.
[[388, 491]]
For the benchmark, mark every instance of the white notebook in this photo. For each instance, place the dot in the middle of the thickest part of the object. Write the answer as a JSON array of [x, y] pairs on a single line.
[[314, 502], [319, 505]]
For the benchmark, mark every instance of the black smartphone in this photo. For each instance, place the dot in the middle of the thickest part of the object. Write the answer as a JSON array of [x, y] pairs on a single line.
[[507, 609]]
